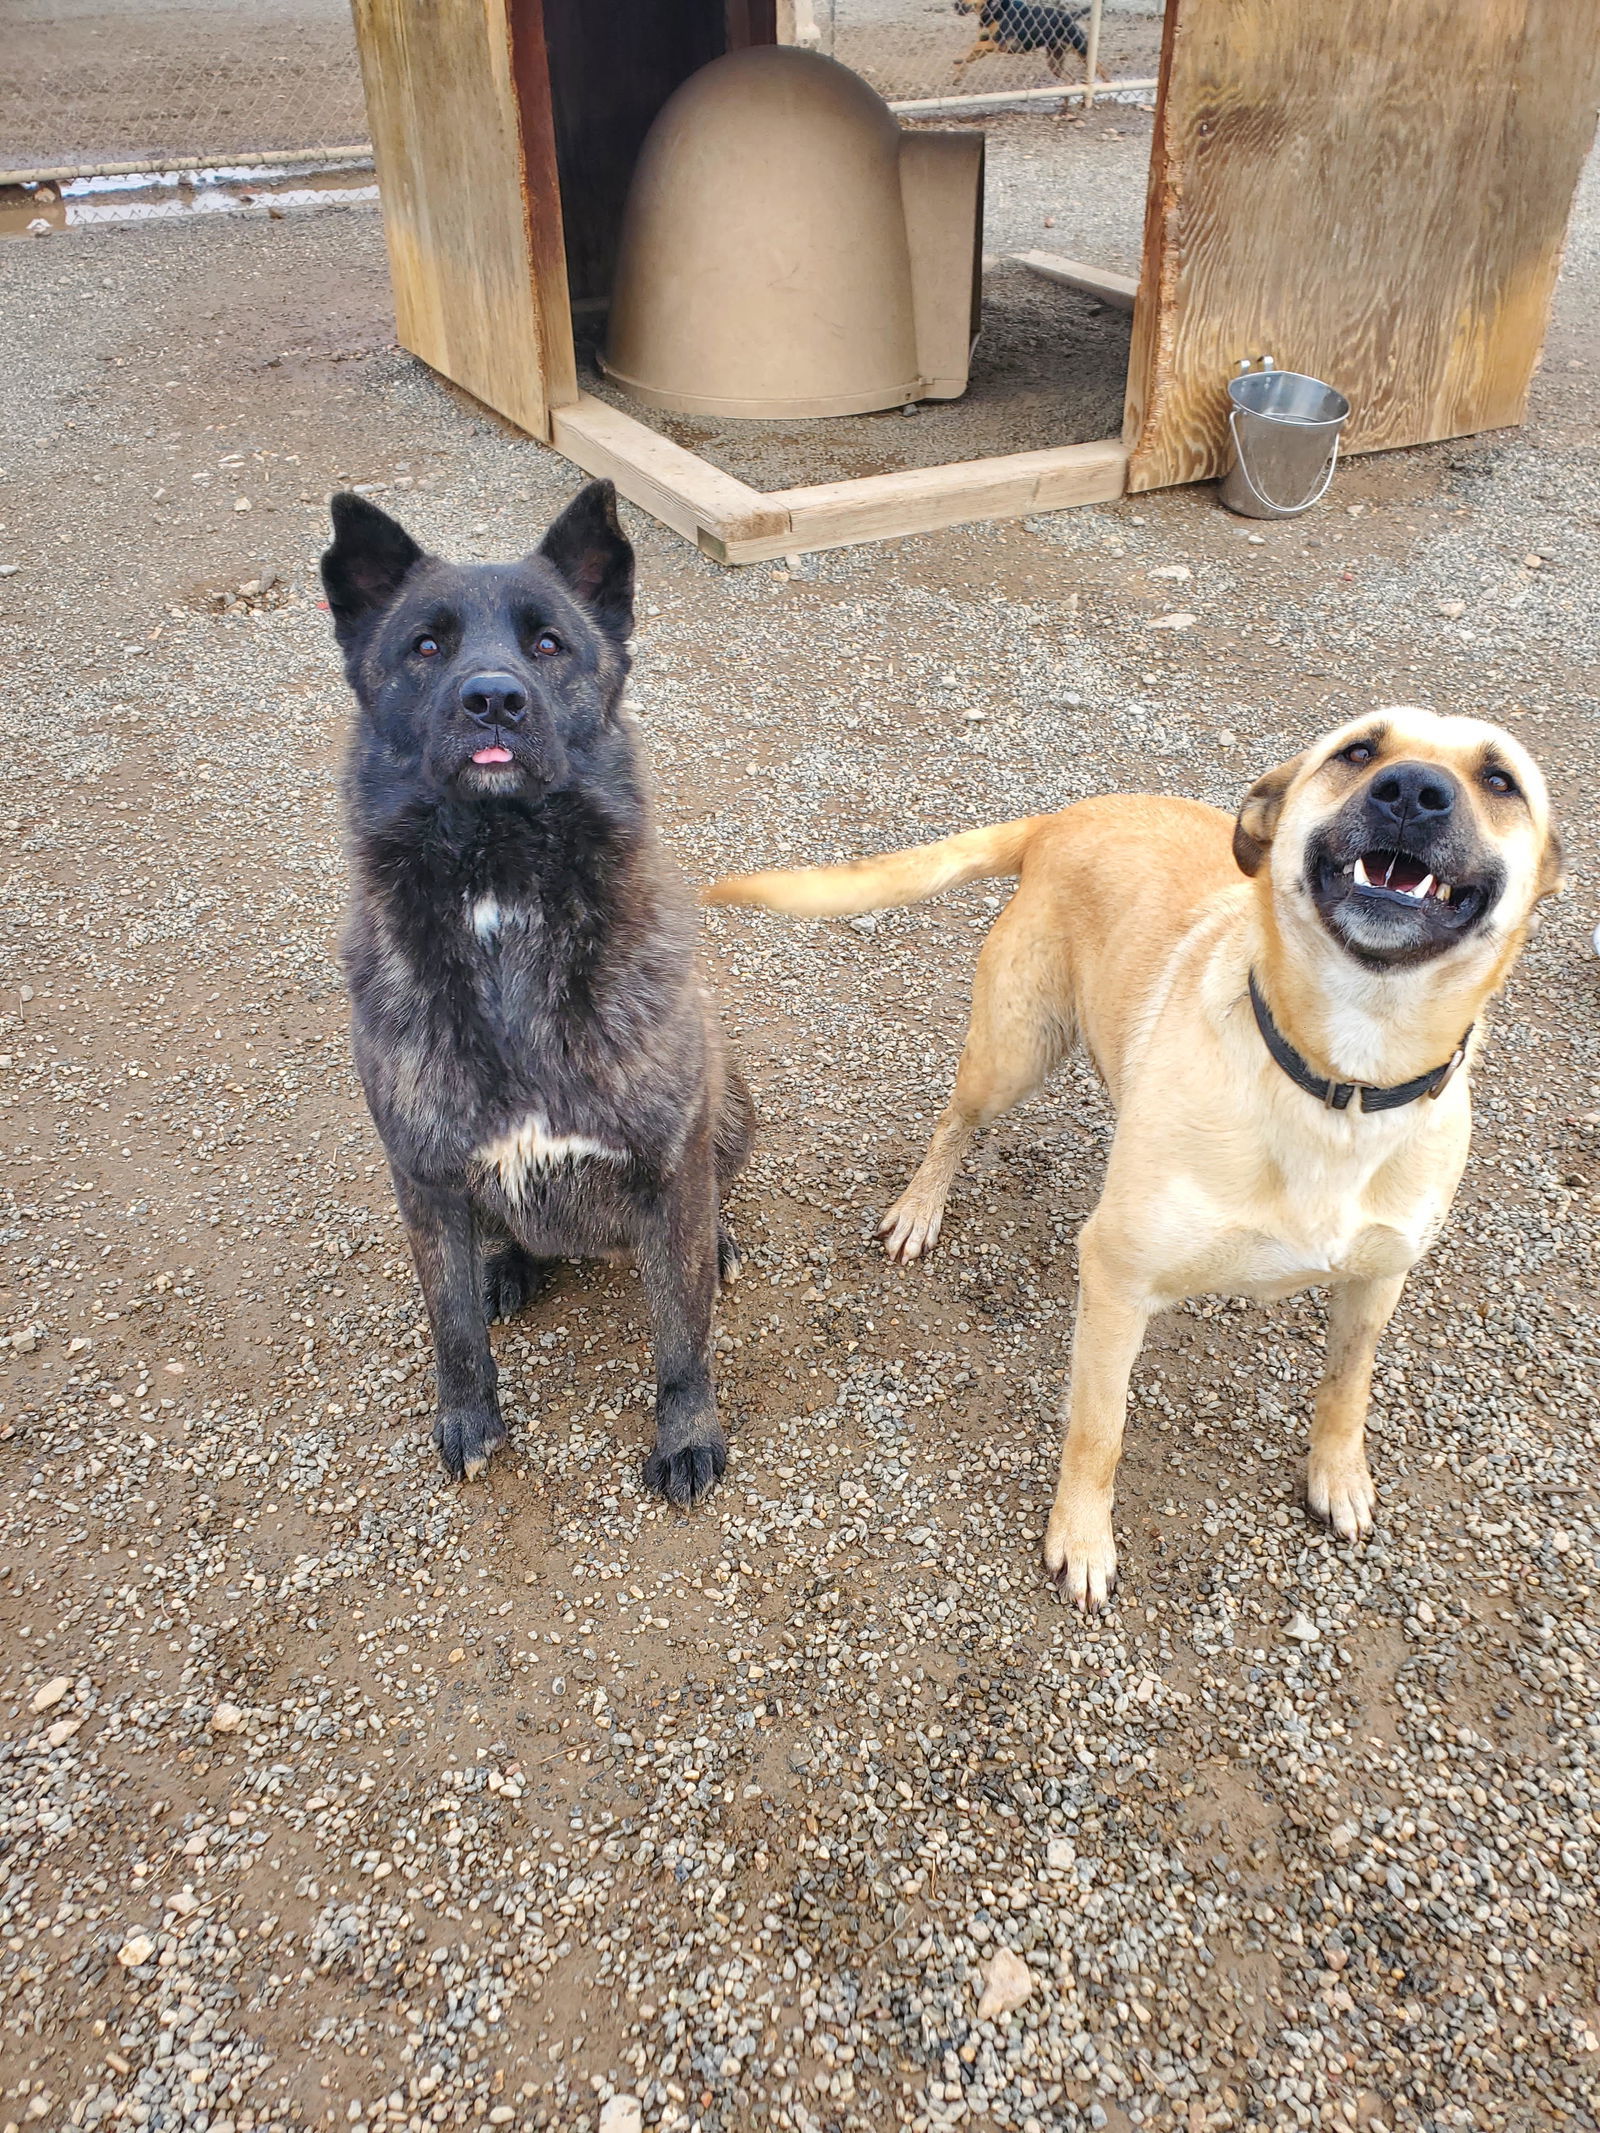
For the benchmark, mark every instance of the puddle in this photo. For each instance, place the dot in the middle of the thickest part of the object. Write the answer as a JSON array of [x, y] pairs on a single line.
[[232, 189]]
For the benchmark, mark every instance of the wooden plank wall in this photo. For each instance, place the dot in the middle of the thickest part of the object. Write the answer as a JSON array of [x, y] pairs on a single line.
[[1375, 193], [465, 150]]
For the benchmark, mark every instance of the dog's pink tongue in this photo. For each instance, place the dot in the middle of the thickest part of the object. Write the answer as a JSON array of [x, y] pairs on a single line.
[[492, 755]]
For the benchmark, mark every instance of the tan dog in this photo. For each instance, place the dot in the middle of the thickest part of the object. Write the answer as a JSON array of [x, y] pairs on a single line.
[[1281, 1050]]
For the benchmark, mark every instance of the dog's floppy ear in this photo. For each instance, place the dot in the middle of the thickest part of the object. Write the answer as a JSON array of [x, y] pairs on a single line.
[[589, 548], [1257, 824], [371, 557], [1552, 865]]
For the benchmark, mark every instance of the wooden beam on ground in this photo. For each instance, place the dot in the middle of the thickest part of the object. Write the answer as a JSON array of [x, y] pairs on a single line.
[[1119, 289], [883, 507], [687, 493]]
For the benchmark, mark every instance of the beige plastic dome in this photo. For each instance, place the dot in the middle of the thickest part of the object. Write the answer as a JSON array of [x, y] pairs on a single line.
[[788, 250]]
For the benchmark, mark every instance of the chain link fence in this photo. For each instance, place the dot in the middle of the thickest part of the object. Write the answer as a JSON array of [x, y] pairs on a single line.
[[916, 51], [98, 85], [89, 85]]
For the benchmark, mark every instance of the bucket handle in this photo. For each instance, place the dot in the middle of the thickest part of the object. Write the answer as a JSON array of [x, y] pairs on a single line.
[[1284, 510]]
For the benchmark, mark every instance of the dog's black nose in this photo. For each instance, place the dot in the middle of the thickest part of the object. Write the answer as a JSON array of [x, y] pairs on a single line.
[[1420, 795], [493, 699]]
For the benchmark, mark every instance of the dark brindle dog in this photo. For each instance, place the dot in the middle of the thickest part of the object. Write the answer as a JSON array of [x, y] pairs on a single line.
[[1024, 26], [535, 1044]]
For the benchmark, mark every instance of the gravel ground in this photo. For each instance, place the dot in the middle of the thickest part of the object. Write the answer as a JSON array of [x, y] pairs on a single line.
[[334, 1796]]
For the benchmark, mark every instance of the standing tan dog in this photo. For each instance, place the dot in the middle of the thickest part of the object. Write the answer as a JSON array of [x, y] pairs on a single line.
[[1282, 1051]]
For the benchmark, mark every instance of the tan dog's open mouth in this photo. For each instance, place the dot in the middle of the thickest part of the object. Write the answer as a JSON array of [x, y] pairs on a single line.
[[1401, 873]]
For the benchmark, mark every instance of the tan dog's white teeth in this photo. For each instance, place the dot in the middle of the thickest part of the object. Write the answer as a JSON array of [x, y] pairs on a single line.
[[1423, 889], [1363, 878]]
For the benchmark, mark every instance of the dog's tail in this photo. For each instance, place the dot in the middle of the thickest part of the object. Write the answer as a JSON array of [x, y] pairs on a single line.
[[877, 884]]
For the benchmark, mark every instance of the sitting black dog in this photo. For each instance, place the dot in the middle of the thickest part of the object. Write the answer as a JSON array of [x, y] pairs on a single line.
[[536, 1046]]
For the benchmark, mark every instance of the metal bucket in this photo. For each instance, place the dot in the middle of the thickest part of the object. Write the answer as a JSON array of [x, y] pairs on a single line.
[[1285, 430]]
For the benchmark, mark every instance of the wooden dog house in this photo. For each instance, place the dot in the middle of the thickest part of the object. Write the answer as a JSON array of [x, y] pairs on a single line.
[[1372, 192]]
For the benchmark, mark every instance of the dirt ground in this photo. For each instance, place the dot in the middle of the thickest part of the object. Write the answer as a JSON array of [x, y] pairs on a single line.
[[331, 1795]]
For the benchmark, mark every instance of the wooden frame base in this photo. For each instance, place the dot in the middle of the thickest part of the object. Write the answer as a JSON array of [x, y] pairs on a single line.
[[733, 523]]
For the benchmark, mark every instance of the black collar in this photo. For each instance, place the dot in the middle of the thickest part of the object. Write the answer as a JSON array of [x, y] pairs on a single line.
[[1337, 1094]]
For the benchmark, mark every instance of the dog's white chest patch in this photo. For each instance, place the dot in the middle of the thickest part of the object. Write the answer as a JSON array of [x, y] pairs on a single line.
[[486, 917], [529, 1147]]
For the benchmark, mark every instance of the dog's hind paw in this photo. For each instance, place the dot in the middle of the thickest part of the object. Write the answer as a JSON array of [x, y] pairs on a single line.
[[467, 1438], [512, 1278], [687, 1475]]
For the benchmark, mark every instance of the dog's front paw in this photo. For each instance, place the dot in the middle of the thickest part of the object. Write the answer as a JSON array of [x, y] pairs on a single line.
[[467, 1438], [1081, 1556], [911, 1227], [690, 1473], [1340, 1491], [729, 1257]]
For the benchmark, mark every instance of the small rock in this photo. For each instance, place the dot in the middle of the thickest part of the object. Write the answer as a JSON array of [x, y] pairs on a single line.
[[136, 1949], [974, 717], [227, 1718], [1227, 738], [51, 1694], [501, 2115], [1301, 1627], [1007, 1982], [1452, 610], [1533, 562], [185, 1903], [26, 1341], [1183, 620], [1060, 1853], [241, 503], [62, 1731], [863, 922], [9, 570], [621, 2114], [1342, 1836], [1179, 571]]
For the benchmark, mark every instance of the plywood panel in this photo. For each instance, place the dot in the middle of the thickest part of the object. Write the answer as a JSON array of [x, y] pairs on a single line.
[[1375, 193], [461, 131]]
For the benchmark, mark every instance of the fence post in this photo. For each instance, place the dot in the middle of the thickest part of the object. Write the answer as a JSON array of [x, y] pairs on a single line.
[[1091, 55]]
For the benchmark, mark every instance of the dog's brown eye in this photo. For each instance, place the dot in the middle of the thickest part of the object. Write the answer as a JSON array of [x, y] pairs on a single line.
[[1498, 782], [426, 647], [546, 644], [1357, 752]]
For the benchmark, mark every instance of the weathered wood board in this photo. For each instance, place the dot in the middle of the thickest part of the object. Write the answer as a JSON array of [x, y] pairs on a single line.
[[458, 101], [1375, 193]]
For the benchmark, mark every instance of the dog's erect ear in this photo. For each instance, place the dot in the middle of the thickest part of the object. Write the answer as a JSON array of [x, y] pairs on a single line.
[[589, 548], [371, 556], [1257, 825]]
